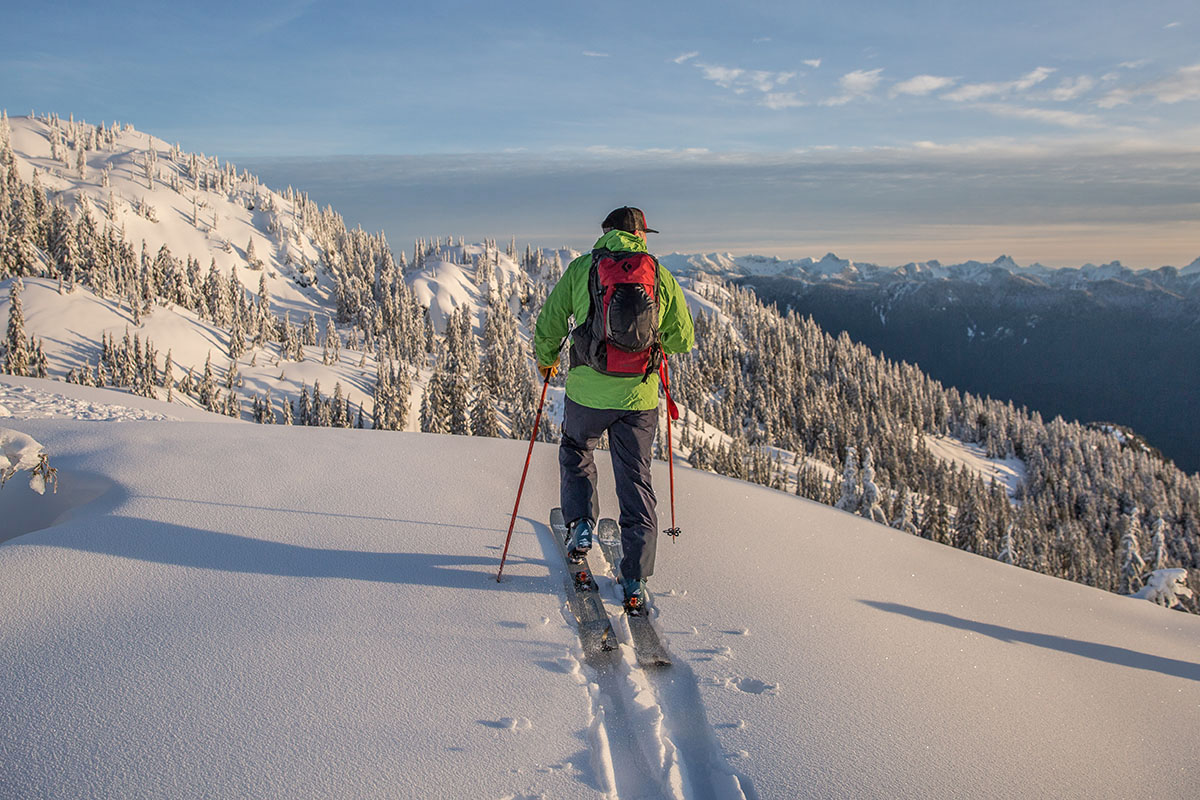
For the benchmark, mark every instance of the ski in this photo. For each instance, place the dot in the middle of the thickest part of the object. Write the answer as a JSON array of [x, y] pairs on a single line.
[[646, 644], [583, 595]]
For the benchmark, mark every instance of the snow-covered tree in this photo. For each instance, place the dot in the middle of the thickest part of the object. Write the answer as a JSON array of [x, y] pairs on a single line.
[[851, 494], [332, 346], [1008, 550], [1165, 587], [483, 414], [16, 349], [870, 507], [907, 520], [21, 452], [1132, 565], [1158, 544]]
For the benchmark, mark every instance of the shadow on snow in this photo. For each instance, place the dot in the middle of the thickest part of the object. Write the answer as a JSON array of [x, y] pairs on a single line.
[[1111, 654]]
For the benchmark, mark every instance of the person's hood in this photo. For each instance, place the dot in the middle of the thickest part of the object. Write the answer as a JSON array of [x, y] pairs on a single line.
[[619, 241]]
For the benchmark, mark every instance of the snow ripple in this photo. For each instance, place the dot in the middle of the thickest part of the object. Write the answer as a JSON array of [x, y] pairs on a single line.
[[23, 402]]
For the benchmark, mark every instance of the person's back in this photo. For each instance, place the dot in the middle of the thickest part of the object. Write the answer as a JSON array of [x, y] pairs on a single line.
[[613, 393]]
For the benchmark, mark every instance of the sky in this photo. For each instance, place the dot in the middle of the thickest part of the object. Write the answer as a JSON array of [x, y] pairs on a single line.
[[1059, 132]]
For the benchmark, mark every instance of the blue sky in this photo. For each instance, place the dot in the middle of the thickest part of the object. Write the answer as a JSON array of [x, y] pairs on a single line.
[[1053, 131]]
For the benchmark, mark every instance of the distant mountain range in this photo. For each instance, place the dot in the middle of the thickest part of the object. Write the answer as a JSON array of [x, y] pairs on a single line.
[[833, 268], [1095, 343]]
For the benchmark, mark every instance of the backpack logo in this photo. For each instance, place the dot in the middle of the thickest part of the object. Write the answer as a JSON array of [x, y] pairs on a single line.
[[620, 335]]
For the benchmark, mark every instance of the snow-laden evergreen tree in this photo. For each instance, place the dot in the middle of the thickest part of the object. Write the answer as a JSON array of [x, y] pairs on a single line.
[[906, 521], [1008, 550], [308, 334], [1166, 587], [338, 418], [459, 406], [435, 416], [849, 500], [1132, 565], [935, 522], [252, 259], [870, 507], [322, 408], [207, 390], [332, 346], [16, 351], [237, 341], [483, 414], [262, 313], [1158, 545], [168, 376], [969, 526]]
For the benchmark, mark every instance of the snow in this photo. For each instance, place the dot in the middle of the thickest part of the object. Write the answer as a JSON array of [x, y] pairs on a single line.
[[21, 452], [232, 610], [1165, 587], [37, 398], [1007, 472]]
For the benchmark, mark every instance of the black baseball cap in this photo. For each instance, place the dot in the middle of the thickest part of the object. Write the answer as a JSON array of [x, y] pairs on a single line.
[[628, 219]]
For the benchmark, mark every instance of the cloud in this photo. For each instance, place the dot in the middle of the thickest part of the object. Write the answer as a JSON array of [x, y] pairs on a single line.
[[921, 85], [879, 204], [1117, 97], [780, 100], [815, 63], [1066, 119], [766, 81], [855, 85], [1183, 85], [686, 57], [721, 76], [1033, 78], [978, 91], [593, 54], [1072, 88], [1170, 25], [742, 81]]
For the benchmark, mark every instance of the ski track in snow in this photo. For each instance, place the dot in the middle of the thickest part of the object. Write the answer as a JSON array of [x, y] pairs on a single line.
[[649, 733]]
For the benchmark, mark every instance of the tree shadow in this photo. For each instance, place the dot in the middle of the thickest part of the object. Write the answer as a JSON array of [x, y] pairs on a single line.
[[1111, 654], [317, 513], [178, 545]]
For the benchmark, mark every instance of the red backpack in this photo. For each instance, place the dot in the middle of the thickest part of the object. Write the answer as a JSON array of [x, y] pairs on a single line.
[[620, 335]]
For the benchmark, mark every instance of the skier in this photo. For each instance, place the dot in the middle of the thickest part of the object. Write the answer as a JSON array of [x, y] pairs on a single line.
[[629, 311]]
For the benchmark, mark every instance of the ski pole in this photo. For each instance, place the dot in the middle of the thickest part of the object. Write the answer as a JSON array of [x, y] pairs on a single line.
[[672, 413], [536, 421]]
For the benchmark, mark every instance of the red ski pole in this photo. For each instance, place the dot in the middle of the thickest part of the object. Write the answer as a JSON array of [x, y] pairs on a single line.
[[672, 413], [536, 421]]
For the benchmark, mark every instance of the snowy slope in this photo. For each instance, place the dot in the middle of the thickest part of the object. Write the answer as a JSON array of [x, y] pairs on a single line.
[[207, 223], [229, 610]]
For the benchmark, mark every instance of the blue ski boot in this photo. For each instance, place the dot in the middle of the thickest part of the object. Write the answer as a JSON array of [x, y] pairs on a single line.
[[579, 539], [635, 596]]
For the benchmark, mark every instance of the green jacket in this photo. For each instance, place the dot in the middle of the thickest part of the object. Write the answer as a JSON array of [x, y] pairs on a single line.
[[569, 298]]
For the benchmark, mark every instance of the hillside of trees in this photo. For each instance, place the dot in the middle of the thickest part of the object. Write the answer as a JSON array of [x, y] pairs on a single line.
[[769, 397]]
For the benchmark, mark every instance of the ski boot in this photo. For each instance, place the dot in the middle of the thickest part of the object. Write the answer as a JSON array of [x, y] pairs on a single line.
[[635, 596], [579, 539]]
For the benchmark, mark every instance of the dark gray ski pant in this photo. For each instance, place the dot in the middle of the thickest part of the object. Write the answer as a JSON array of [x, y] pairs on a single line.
[[630, 439]]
